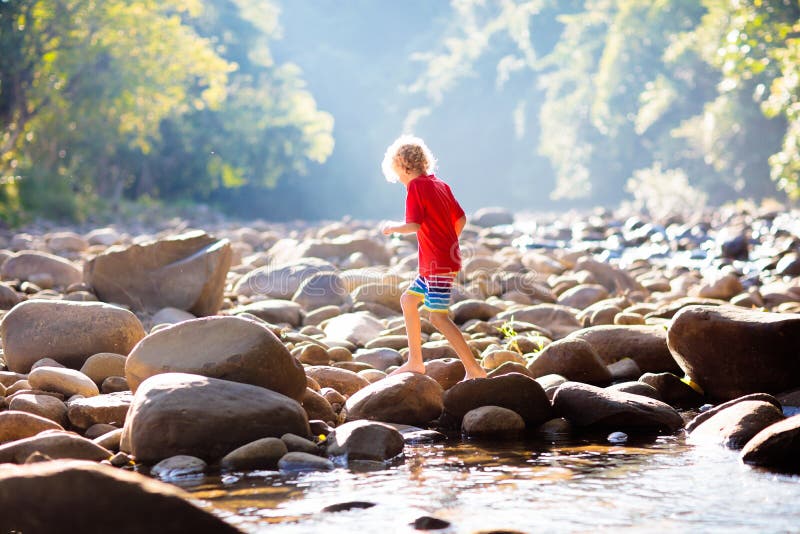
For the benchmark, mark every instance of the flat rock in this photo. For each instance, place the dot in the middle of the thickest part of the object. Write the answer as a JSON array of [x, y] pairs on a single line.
[[107, 409], [260, 454], [178, 466], [41, 405], [777, 446], [273, 311], [294, 462], [321, 289], [67, 332], [559, 320]]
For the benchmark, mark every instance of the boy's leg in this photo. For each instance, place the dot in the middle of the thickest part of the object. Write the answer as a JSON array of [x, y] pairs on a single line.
[[437, 301], [450, 331], [410, 301]]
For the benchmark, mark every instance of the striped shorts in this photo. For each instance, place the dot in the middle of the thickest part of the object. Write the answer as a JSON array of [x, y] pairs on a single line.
[[436, 289]]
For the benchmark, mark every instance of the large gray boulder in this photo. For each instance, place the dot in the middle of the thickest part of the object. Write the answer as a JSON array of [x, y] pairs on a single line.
[[187, 272], [177, 413]]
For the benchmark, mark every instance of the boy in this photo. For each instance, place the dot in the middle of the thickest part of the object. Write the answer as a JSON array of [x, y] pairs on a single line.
[[436, 217]]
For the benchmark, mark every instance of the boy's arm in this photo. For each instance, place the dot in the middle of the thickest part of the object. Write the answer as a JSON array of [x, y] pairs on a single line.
[[395, 228], [459, 225]]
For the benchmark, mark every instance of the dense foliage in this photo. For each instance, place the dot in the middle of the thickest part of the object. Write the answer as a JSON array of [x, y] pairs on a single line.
[[632, 88], [549, 102], [164, 98]]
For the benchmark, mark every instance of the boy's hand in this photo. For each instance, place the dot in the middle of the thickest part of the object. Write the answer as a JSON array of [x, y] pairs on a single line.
[[388, 227]]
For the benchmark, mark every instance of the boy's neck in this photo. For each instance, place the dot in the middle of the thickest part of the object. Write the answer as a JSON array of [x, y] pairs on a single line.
[[408, 178]]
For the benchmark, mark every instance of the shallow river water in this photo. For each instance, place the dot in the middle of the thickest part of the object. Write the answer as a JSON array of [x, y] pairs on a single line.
[[658, 484]]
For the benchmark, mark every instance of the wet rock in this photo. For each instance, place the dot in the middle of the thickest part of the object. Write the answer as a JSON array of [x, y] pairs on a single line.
[[321, 289], [365, 440], [776, 447], [514, 391], [357, 328], [54, 443], [446, 371], [710, 410], [260, 454], [590, 406], [119, 501], [68, 382], [187, 272], [430, 523], [672, 390], [344, 381], [176, 413], [559, 320], [23, 265], [68, 332], [100, 366], [730, 351], [108, 409], [232, 348], [295, 443], [293, 462], [317, 407], [646, 345], [280, 281], [41, 405], [574, 359], [346, 506], [16, 425], [178, 466], [555, 427], [492, 421], [407, 398], [734, 426]]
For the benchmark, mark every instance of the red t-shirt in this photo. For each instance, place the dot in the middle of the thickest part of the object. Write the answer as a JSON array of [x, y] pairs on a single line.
[[431, 204]]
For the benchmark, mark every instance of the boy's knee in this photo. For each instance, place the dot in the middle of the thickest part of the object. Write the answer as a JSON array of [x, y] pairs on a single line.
[[439, 319]]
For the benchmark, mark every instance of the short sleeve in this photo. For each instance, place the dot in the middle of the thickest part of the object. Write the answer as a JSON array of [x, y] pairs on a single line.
[[456, 211], [414, 210]]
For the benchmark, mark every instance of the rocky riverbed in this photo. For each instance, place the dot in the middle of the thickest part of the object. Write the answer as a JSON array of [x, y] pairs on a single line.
[[182, 348]]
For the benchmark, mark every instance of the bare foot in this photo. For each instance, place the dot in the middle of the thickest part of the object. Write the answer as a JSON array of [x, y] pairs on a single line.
[[472, 376], [408, 368]]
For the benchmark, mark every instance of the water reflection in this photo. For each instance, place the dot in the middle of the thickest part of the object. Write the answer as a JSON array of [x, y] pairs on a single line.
[[650, 484]]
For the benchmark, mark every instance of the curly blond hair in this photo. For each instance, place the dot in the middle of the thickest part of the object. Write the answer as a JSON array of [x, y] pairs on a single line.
[[411, 154]]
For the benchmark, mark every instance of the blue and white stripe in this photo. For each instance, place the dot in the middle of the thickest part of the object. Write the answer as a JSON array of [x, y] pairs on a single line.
[[436, 289]]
